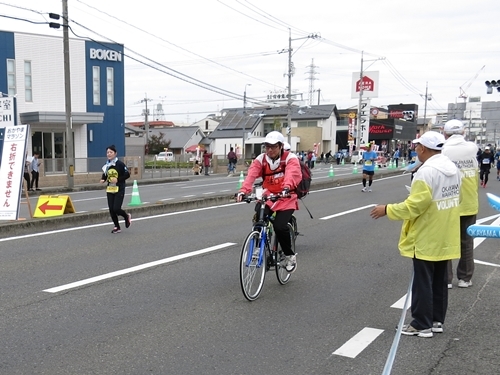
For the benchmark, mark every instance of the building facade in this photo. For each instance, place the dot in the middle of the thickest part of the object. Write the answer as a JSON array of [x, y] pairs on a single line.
[[32, 72]]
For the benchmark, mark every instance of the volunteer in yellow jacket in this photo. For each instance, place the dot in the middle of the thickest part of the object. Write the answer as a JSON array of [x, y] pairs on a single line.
[[430, 234], [463, 154]]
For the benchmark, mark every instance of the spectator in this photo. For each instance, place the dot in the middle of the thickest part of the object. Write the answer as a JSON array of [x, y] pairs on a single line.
[[206, 161], [396, 157], [196, 167], [35, 171], [27, 173], [232, 160]]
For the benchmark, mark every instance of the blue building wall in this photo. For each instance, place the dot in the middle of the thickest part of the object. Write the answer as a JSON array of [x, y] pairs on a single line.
[[112, 130], [7, 51]]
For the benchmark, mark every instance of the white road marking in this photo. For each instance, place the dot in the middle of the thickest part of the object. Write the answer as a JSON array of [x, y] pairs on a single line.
[[400, 303], [137, 268], [188, 196], [358, 342], [486, 263], [166, 199], [209, 192], [347, 212]]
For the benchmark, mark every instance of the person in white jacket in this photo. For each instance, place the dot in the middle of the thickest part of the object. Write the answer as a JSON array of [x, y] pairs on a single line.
[[430, 234], [463, 154]]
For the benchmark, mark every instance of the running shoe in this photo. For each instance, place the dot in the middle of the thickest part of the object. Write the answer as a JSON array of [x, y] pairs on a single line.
[[364, 190], [464, 284], [409, 330], [291, 263], [437, 327], [128, 221], [116, 230]]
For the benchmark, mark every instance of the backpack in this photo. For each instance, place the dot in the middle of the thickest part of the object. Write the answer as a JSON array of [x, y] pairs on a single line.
[[305, 183]]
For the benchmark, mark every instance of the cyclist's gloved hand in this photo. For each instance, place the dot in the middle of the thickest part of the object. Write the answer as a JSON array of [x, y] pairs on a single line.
[[240, 196], [286, 191]]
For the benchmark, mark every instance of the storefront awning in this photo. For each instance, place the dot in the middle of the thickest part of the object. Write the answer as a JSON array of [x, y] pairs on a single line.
[[78, 118]]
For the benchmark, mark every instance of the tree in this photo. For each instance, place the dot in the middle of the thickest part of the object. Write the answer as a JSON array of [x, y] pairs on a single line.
[[158, 143]]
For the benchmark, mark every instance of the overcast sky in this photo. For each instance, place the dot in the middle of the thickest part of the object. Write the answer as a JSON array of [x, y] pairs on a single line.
[[227, 46]]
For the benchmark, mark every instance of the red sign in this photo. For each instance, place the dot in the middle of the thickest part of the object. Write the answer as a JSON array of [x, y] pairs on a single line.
[[368, 84]]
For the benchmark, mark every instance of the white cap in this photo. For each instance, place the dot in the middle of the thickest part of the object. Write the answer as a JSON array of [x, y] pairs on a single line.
[[274, 137], [432, 140], [487, 148], [453, 127], [286, 146]]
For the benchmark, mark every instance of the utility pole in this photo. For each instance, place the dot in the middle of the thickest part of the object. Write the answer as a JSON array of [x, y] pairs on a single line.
[[289, 96], [70, 157], [426, 98], [290, 73], [146, 114], [244, 122], [358, 141]]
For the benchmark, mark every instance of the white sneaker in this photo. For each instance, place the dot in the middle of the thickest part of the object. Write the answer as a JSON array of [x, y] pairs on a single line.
[[437, 327], [450, 286], [363, 190], [291, 263], [464, 284]]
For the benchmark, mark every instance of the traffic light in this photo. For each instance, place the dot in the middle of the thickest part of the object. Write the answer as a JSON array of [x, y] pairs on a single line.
[[491, 84], [408, 115]]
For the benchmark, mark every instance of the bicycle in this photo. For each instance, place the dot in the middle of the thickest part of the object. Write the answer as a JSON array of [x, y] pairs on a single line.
[[231, 168], [261, 252]]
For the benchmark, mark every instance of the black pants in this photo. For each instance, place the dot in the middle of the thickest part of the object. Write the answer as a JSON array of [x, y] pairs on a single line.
[[280, 225], [483, 175], [34, 179], [429, 293], [27, 178], [396, 161], [465, 268], [115, 201]]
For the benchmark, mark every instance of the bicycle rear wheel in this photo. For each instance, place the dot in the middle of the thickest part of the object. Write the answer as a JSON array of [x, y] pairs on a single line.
[[252, 266], [281, 273]]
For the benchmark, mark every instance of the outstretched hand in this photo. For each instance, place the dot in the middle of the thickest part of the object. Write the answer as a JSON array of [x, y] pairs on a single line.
[[378, 211]]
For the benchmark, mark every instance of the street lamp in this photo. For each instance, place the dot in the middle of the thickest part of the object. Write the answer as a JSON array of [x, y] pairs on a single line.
[[244, 119]]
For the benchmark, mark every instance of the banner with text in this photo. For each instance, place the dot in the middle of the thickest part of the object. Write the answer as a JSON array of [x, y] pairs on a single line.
[[364, 122], [12, 170]]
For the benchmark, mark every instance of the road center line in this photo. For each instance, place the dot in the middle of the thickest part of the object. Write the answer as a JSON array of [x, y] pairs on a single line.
[[137, 268]]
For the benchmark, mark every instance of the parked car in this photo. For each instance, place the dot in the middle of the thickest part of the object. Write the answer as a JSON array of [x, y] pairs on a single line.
[[357, 157], [165, 156]]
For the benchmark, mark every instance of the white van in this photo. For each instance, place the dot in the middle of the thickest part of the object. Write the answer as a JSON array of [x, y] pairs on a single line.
[[165, 156], [357, 156]]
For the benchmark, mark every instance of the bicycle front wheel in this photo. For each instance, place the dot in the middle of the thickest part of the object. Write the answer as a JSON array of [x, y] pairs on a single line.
[[281, 273], [252, 266]]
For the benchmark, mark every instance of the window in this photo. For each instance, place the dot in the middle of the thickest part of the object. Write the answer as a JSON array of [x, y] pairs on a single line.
[[28, 83], [307, 124], [110, 84], [96, 83], [11, 77]]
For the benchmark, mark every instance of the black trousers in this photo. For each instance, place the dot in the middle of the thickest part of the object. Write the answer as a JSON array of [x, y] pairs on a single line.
[[429, 293], [34, 179], [27, 178], [280, 225], [483, 175], [115, 201]]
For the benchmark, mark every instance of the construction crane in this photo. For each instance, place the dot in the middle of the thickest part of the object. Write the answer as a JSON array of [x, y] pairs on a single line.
[[466, 85]]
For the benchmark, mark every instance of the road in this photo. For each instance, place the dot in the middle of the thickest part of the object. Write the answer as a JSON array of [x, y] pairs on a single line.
[[163, 296]]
